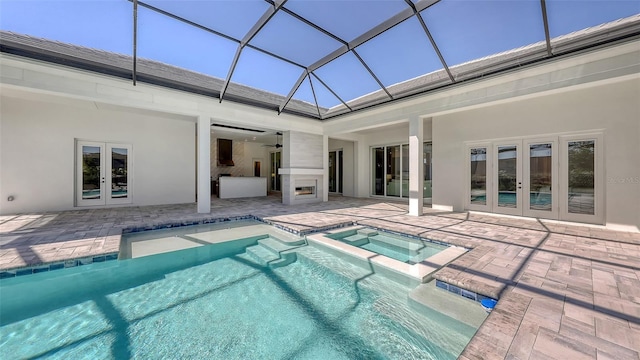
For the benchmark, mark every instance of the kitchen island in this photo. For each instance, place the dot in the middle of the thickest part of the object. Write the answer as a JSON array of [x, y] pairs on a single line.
[[231, 187]]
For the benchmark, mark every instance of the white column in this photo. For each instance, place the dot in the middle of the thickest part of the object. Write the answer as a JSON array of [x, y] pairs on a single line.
[[204, 164], [363, 173], [416, 168], [325, 166]]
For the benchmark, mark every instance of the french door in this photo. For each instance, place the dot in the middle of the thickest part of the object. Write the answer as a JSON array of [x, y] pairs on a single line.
[[525, 173], [557, 177], [103, 173], [507, 172]]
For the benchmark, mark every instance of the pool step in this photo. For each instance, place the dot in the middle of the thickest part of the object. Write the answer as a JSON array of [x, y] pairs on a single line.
[[343, 269], [402, 246], [356, 240], [261, 255], [276, 246], [426, 298], [419, 328], [271, 252], [367, 232]]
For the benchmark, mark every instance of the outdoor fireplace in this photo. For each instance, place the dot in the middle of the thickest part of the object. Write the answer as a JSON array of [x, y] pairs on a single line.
[[305, 189]]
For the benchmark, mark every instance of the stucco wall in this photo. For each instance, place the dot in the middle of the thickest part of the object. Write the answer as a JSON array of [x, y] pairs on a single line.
[[37, 153], [613, 108]]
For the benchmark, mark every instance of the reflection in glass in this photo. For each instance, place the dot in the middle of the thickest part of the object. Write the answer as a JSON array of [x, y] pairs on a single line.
[[378, 171], [119, 177], [90, 172], [581, 177], [393, 171], [427, 151], [507, 182], [540, 177], [405, 170], [479, 176]]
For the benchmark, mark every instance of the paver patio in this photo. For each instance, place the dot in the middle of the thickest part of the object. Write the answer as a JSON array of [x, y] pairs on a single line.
[[567, 291]]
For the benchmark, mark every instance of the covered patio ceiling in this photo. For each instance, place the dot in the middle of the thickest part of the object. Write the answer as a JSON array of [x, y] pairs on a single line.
[[318, 59]]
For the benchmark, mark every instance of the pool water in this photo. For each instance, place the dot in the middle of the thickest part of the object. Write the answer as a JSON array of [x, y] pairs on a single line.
[[401, 248], [220, 302]]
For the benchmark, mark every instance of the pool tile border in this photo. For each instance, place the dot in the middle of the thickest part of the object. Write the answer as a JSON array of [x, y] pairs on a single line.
[[64, 264], [309, 230], [461, 292], [175, 224]]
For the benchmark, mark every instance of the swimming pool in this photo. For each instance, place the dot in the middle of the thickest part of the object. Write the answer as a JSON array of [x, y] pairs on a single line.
[[231, 300], [401, 248]]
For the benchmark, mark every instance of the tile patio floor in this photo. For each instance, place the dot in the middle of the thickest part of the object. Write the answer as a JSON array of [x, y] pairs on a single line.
[[567, 291]]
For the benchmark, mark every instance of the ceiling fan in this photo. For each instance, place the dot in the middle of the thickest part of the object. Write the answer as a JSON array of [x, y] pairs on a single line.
[[277, 145]]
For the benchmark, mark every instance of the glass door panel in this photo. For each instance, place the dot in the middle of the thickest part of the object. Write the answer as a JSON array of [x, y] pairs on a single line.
[[91, 173], [581, 180], [393, 180], [340, 168], [119, 173], [507, 194], [274, 174], [478, 186], [332, 172], [118, 184], [507, 176], [405, 170], [427, 151], [378, 171], [540, 179]]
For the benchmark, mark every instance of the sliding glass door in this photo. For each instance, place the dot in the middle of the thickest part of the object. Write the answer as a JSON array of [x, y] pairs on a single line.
[[390, 170], [274, 177], [393, 180], [335, 171], [426, 158], [378, 166]]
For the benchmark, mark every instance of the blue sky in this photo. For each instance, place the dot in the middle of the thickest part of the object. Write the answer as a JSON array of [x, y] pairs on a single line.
[[463, 30]]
